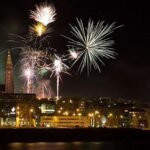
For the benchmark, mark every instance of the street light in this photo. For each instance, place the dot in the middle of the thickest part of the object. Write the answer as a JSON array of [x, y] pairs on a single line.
[[92, 122], [103, 121], [31, 110], [79, 114], [96, 112]]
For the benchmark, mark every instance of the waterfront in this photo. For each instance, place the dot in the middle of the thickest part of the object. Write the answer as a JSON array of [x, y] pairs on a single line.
[[74, 139], [109, 145], [31, 135]]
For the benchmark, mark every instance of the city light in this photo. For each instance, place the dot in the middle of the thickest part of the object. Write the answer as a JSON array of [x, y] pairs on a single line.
[[31, 110], [59, 111], [103, 120], [96, 112], [110, 115], [121, 116], [79, 114]]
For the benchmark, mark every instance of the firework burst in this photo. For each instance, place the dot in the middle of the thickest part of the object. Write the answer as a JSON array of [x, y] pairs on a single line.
[[34, 51], [38, 29], [58, 66], [30, 63], [28, 74], [92, 42], [38, 35], [44, 14], [73, 54]]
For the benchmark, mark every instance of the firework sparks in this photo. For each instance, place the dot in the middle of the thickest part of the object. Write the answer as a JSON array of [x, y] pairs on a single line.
[[33, 57], [44, 89], [32, 62], [38, 34], [29, 59], [44, 14], [73, 54], [28, 73], [57, 67], [39, 29], [92, 42]]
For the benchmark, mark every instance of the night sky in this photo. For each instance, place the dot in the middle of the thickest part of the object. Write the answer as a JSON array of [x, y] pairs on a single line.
[[128, 76]]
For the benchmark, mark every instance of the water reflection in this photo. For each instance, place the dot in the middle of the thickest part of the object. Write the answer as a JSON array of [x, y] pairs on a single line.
[[56, 146], [118, 145]]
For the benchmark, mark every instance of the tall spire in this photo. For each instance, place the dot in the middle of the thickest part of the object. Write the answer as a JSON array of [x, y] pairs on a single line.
[[9, 61], [9, 82]]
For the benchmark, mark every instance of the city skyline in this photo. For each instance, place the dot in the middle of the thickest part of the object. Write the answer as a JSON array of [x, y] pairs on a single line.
[[127, 76]]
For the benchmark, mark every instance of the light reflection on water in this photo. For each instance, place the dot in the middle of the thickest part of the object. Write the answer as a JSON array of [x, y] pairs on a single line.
[[55, 146], [117, 145]]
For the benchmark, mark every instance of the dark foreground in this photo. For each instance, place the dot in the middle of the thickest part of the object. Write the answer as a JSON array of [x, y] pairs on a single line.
[[70, 135]]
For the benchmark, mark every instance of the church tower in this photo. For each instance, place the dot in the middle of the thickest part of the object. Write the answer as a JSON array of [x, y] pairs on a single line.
[[9, 82]]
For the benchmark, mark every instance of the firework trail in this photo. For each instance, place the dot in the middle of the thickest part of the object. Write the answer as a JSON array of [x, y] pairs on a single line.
[[28, 73], [44, 89], [27, 69], [58, 66], [92, 42]]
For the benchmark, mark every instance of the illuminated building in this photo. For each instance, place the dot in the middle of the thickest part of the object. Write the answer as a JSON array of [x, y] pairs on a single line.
[[9, 82], [65, 121], [67, 113], [25, 110], [17, 110], [47, 108]]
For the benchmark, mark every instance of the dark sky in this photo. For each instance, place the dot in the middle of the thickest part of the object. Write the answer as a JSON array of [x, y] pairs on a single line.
[[128, 76]]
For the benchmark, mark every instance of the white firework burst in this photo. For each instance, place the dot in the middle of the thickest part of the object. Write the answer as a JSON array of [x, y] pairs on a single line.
[[44, 13], [92, 43]]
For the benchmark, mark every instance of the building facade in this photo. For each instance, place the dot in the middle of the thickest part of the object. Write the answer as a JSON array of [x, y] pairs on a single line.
[[65, 121]]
